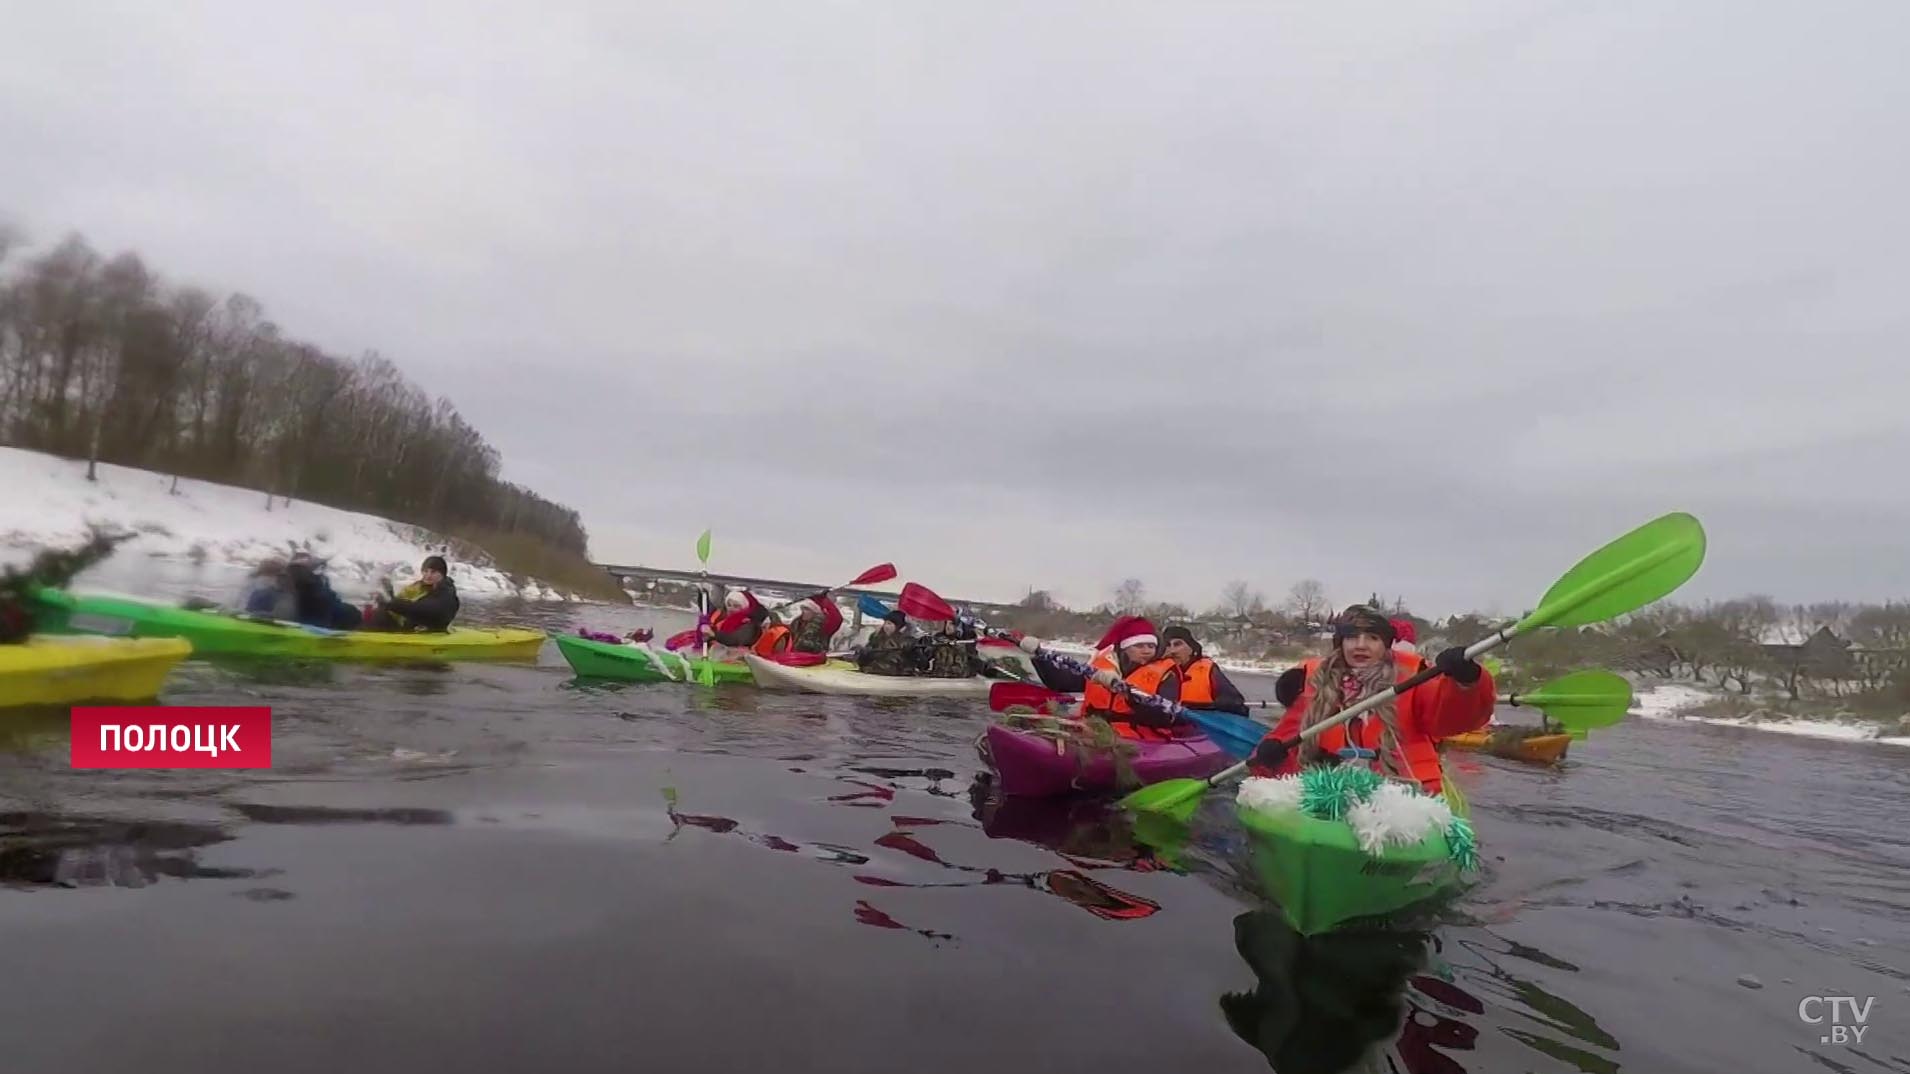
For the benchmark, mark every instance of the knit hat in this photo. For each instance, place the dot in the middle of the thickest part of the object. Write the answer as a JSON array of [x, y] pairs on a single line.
[[1129, 630], [898, 617], [1182, 633], [436, 563], [735, 600], [1360, 619]]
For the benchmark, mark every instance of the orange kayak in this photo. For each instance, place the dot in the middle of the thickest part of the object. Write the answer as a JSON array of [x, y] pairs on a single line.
[[1538, 749]]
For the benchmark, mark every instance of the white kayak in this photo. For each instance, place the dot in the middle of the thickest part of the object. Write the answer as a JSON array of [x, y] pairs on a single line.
[[841, 677]]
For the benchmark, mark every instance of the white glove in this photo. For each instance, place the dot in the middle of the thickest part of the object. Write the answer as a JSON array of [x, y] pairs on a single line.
[[1107, 678], [1029, 644]]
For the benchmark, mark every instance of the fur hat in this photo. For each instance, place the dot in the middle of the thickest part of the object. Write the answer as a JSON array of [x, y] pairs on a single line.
[[1360, 619]]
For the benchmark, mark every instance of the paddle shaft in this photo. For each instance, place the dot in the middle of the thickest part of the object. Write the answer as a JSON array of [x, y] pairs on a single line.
[[1425, 675]]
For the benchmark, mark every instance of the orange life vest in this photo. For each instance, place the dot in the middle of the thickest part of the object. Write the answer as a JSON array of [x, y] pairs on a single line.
[[1421, 753], [774, 639], [1098, 700], [1197, 683]]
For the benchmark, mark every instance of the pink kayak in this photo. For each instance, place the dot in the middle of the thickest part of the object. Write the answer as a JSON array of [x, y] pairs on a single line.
[[1036, 767]]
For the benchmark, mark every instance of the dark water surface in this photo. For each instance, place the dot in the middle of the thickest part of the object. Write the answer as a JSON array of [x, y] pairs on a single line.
[[492, 868]]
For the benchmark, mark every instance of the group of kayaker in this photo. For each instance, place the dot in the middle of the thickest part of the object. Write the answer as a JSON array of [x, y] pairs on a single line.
[[297, 590], [1398, 737], [894, 650], [745, 625]]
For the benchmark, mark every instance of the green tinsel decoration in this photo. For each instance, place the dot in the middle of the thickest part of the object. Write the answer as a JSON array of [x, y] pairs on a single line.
[[1328, 791], [1462, 845]]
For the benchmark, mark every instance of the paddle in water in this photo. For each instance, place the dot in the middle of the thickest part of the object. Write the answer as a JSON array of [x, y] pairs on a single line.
[[1643, 566], [1580, 702]]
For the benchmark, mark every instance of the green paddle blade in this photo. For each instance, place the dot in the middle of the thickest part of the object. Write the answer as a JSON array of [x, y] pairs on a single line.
[[1644, 565], [1583, 700], [703, 548], [1175, 798]]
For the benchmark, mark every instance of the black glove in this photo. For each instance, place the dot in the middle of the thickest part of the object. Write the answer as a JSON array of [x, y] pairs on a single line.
[[1271, 753], [1457, 668], [1287, 688]]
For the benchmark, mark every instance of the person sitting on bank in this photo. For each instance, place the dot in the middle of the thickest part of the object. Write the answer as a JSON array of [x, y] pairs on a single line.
[[890, 650], [428, 604], [1202, 684]]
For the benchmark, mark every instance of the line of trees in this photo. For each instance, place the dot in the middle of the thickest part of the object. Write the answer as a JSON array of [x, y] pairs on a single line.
[[101, 359], [1855, 655]]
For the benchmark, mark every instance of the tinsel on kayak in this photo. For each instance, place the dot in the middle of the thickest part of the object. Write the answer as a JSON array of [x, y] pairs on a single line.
[[52, 568], [1380, 812]]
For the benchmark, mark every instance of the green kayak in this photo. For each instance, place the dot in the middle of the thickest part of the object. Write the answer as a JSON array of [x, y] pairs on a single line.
[[1321, 878], [634, 663], [216, 634]]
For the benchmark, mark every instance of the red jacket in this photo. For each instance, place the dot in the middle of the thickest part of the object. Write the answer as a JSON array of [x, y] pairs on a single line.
[[1427, 713]]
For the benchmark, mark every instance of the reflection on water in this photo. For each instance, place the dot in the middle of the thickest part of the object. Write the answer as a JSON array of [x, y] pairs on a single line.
[[37, 849], [1657, 859]]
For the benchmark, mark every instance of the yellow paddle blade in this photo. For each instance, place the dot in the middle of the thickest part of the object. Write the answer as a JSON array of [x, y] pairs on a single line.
[[1176, 798]]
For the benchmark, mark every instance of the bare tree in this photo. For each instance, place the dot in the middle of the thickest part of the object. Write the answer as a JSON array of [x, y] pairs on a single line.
[[1307, 602], [1241, 600], [1130, 597]]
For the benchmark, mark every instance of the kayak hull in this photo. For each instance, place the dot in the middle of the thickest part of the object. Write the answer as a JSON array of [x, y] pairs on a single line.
[[841, 677], [67, 671], [1538, 749], [212, 634], [633, 663], [1031, 766], [1321, 879]]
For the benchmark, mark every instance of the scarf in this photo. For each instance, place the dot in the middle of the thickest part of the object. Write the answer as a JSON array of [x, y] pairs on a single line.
[[1337, 684]]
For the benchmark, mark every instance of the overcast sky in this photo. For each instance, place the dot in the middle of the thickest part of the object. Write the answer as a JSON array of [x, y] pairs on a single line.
[[1425, 298]]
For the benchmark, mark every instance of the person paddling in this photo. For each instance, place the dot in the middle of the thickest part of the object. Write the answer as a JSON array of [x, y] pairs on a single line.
[[817, 620], [429, 604], [1202, 684], [1400, 737], [890, 650], [741, 624]]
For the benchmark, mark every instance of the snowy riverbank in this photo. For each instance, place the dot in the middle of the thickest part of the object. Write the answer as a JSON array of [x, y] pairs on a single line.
[[48, 501], [1671, 701]]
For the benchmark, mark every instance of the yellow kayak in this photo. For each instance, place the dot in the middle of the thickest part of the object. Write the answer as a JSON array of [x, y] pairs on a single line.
[[67, 671]]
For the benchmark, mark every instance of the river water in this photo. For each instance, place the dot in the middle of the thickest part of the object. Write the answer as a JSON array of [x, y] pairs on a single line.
[[496, 868]]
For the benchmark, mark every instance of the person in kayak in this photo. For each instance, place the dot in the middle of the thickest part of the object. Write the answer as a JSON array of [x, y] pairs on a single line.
[[1202, 684], [314, 601], [817, 620], [741, 623], [1125, 654], [951, 653], [1400, 737], [428, 604], [268, 591], [890, 650]]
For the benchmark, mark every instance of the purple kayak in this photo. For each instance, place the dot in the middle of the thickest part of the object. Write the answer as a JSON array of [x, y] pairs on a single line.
[[1035, 767]]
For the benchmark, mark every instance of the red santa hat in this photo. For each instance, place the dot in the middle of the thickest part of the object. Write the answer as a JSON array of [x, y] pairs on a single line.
[[1129, 630], [1405, 636]]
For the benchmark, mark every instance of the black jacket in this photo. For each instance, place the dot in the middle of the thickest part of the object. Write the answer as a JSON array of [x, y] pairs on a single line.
[[433, 611]]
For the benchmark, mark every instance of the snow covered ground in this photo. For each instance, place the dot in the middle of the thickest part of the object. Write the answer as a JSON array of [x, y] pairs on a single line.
[[1669, 701], [48, 501]]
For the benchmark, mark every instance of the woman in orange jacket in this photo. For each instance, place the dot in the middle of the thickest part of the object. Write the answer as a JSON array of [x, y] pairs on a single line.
[[1398, 738]]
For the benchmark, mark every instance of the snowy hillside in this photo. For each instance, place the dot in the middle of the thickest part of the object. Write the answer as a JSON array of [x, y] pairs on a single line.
[[47, 500]]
